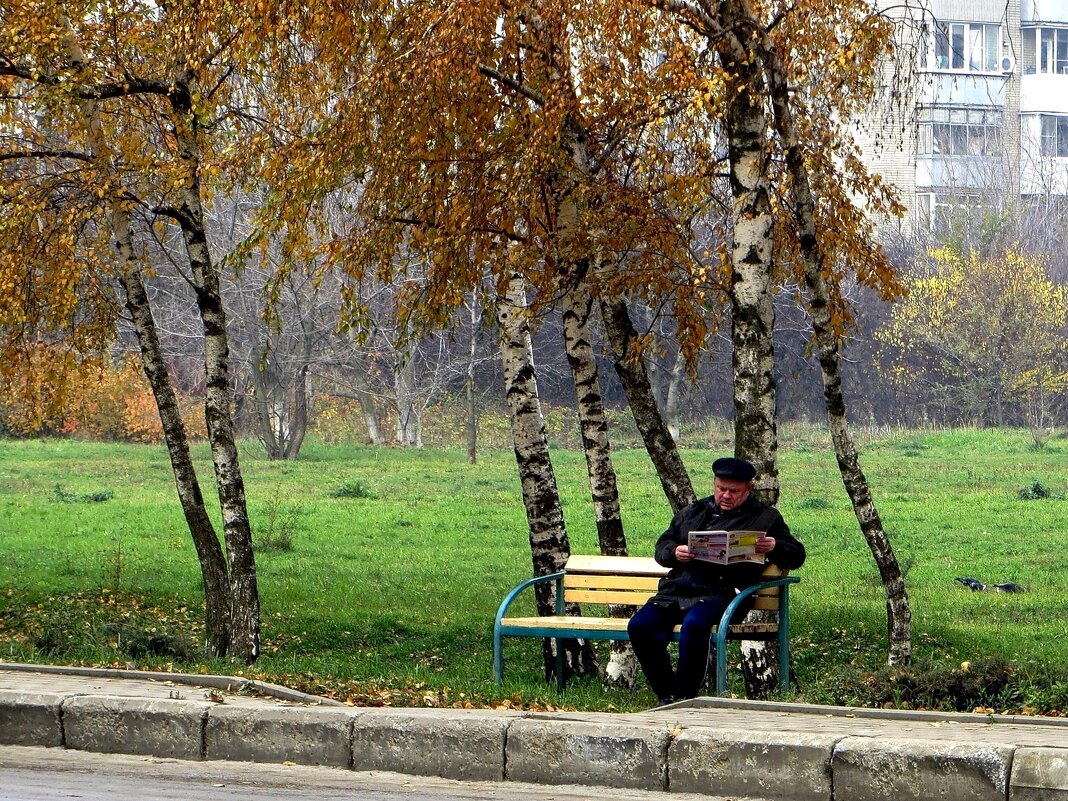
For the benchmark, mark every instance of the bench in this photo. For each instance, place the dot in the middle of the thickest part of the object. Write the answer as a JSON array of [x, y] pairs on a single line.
[[631, 581]]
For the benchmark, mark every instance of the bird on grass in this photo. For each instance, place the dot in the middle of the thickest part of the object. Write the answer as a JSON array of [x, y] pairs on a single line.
[[1009, 586], [973, 584]]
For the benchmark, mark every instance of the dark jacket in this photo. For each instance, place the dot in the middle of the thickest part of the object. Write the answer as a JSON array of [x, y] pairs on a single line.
[[689, 582]]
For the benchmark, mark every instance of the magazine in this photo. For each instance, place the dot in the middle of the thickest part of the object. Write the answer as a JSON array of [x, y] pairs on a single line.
[[726, 547]]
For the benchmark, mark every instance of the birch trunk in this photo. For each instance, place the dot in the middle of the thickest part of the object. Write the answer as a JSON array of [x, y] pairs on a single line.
[[549, 546], [213, 568], [898, 612], [408, 412], [629, 362], [630, 367], [217, 598], [469, 385], [366, 399], [673, 396], [245, 604], [752, 312], [621, 670]]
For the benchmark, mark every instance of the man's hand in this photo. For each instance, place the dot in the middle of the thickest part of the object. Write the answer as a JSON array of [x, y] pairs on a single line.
[[765, 544], [682, 553]]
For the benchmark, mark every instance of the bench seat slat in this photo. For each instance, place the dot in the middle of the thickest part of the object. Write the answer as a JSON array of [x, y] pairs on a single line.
[[621, 565], [600, 581], [581, 596]]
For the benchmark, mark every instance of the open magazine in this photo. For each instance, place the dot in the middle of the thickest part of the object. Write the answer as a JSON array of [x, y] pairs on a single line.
[[726, 547]]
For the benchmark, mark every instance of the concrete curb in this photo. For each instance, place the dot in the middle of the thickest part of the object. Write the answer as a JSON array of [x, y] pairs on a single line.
[[747, 764], [232, 684], [657, 752]]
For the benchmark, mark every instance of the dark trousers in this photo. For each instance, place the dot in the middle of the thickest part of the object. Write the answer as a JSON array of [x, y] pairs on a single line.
[[650, 632]]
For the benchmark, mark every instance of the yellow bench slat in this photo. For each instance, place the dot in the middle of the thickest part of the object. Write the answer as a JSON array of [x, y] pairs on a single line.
[[591, 581], [622, 565], [582, 596]]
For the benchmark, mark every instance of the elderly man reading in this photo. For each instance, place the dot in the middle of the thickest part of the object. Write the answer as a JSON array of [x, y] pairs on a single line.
[[695, 593]]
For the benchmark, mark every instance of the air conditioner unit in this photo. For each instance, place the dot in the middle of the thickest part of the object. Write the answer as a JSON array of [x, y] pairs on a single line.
[[1008, 64]]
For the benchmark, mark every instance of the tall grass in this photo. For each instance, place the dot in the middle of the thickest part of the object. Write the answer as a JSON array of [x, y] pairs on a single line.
[[394, 561]]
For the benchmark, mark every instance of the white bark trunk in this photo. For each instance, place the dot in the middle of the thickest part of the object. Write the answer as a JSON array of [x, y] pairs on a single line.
[[217, 594], [549, 546], [245, 609], [899, 615]]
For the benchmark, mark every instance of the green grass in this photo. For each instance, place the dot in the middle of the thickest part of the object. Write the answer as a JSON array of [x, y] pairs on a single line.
[[381, 569]]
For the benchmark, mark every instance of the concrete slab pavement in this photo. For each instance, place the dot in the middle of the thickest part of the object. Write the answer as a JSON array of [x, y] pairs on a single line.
[[718, 747]]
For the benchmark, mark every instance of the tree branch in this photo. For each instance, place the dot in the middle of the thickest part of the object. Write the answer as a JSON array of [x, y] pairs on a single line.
[[12, 155], [102, 91], [512, 84]]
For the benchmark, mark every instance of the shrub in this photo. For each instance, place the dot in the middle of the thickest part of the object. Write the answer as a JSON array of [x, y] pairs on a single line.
[[58, 394], [1037, 491], [91, 497], [279, 527], [352, 489]]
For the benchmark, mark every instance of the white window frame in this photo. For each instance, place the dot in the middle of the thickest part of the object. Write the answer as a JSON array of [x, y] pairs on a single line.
[[934, 207], [1051, 50], [951, 132], [962, 47], [1053, 135]]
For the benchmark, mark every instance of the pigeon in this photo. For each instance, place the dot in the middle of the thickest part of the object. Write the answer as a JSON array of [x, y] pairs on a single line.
[[1009, 586], [973, 584]]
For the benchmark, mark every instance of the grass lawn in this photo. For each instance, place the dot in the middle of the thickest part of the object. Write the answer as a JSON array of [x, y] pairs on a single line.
[[380, 570]]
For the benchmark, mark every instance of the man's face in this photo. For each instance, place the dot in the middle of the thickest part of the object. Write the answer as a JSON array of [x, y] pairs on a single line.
[[730, 494]]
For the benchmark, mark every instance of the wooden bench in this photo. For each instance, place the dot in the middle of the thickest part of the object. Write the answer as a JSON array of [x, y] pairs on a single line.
[[632, 580]]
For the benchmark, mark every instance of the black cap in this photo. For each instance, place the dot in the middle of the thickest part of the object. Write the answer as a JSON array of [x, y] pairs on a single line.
[[734, 469]]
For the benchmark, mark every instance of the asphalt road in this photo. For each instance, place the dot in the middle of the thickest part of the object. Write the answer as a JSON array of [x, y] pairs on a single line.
[[49, 774]]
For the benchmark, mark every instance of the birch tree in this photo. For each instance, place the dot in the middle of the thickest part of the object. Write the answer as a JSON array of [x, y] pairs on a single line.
[[121, 89]]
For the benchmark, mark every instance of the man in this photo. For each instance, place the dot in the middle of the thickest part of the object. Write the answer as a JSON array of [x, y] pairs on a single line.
[[696, 593]]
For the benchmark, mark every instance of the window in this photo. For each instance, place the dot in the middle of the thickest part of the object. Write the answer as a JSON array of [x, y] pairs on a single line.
[[936, 210], [964, 139], [1053, 51], [963, 47], [961, 132], [1054, 136]]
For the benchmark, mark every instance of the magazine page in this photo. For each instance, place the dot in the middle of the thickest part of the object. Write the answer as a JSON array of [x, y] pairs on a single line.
[[726, 547]]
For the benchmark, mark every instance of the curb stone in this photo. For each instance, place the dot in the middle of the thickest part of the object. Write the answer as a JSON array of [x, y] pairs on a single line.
[[31, 719], [544, 752], [739, 763], [1039, 774], [468, 745], [161, 727], [305, 736], [813, 753], [870, 769]]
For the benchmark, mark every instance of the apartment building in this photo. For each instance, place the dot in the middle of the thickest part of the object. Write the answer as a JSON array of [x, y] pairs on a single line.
[[977, 107]]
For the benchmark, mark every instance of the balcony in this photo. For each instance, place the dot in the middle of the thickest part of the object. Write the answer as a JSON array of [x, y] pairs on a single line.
[[1043, 176], [959, 172], [1034, 11], [963, 89], [1044, 93]]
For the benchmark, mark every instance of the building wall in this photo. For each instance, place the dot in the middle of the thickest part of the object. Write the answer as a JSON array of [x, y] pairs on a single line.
[[929, 148]]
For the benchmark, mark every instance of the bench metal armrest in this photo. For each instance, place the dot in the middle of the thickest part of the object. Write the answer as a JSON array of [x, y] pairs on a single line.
[[724, 625], [498, 659], [528, 583]]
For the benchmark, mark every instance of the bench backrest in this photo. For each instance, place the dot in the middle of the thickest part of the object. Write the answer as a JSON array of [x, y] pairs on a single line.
[[633, 580]]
